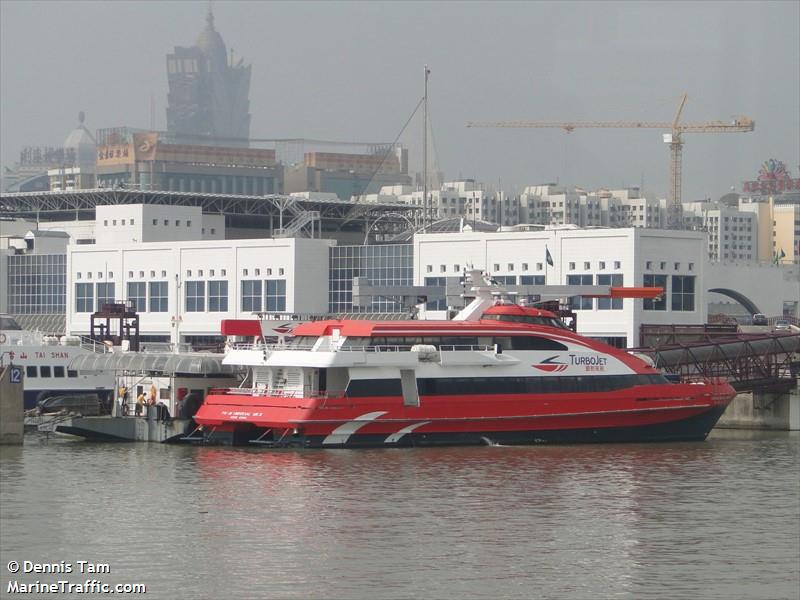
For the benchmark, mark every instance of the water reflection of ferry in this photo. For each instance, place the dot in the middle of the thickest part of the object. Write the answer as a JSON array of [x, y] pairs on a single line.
[[494, 374], [45, 361]]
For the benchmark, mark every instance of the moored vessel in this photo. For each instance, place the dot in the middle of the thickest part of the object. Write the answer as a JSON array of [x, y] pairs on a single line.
[[46, 362], [495, 374]]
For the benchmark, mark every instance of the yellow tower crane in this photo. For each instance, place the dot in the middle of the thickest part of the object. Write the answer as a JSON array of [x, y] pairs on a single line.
[[674, 139]]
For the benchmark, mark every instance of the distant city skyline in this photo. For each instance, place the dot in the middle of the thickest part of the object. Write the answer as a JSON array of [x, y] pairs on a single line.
[[353, 71]]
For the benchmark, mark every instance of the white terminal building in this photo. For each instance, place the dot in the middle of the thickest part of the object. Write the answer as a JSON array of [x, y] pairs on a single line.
[[183, 289], [175, 265]]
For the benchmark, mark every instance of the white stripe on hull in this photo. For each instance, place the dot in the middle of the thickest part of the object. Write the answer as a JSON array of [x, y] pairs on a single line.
[[395, 437], [341, 434]]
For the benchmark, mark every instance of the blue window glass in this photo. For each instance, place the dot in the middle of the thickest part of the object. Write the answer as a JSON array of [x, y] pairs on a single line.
[[217, 296], [251, 295], [614, 280], [275, 299], [195, 296], [655, 303], [579, 302], [105, 294], [683, 292], [137, 295], [159, 301]]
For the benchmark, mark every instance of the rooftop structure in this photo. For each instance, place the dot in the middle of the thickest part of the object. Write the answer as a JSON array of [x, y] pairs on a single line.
[[253, 215]]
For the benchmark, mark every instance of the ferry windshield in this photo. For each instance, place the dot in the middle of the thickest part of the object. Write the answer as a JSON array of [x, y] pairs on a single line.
[[548, 321]]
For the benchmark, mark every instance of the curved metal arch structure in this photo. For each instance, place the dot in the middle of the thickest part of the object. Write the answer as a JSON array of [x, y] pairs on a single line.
[[748, 304]]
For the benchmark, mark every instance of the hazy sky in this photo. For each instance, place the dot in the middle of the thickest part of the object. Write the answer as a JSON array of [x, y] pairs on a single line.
[[353, 71]]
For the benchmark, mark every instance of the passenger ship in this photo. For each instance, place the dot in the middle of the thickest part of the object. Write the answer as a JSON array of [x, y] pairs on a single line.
[[45, 360], [495, 374]]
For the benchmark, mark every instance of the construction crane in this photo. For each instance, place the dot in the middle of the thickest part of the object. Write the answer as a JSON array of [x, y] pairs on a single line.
[[674, 138]]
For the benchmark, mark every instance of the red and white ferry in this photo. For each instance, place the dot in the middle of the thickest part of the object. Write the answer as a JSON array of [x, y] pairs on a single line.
[[495, 374]]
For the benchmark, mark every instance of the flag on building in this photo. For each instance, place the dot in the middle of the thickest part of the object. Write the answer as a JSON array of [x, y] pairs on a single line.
[[548, 257]]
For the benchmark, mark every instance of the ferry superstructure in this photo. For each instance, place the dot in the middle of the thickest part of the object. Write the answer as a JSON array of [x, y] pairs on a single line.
[[496, 374], [46, 363]]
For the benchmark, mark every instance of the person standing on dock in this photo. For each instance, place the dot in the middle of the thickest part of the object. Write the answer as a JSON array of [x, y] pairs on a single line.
[[141, 400]]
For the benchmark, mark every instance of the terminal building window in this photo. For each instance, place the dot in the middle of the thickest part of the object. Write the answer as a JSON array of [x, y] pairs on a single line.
[[578, 302], [105, 294], [218, 296], [276, 295], [531, 280], [683, 292], [655, 303], [251, 295], [380, 264], [37, 284], [610, 303], [195, 296], [506, 279], [441, 303], [159, 301], [137, 295], [84, 297]]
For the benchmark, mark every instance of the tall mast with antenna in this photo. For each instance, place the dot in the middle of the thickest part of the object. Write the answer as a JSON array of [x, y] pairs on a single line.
[[425, 203]]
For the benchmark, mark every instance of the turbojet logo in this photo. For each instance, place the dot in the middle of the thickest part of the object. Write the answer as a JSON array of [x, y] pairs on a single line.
[[551, 365], [590, 363]]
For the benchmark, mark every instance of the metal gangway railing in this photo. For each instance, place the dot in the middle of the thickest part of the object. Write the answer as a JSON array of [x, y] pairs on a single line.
[[746, 361]]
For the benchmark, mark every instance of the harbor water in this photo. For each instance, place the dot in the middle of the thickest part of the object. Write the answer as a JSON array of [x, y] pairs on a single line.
[[719, 519]]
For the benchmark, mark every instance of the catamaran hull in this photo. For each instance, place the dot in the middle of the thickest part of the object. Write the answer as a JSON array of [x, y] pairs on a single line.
[[382, 424], [691, 429]]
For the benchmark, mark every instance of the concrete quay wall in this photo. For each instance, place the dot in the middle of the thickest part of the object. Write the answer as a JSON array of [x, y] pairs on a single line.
[[764, 410], [11, 405]]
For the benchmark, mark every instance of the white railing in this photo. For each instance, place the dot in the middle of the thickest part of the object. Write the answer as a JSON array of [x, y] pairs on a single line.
[[91, 345]]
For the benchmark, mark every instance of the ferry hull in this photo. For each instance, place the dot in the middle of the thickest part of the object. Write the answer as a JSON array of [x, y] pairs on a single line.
[[643, 416]]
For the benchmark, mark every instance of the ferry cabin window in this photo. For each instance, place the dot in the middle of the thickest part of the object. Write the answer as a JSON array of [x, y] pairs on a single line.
[[465, 386], [301, 341], [528, 342], [58, 371], [44, 371], [71, 373], [30, 372], [9, 324]]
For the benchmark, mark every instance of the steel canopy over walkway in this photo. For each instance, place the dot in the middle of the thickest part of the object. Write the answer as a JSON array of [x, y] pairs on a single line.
[[748, 362]]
